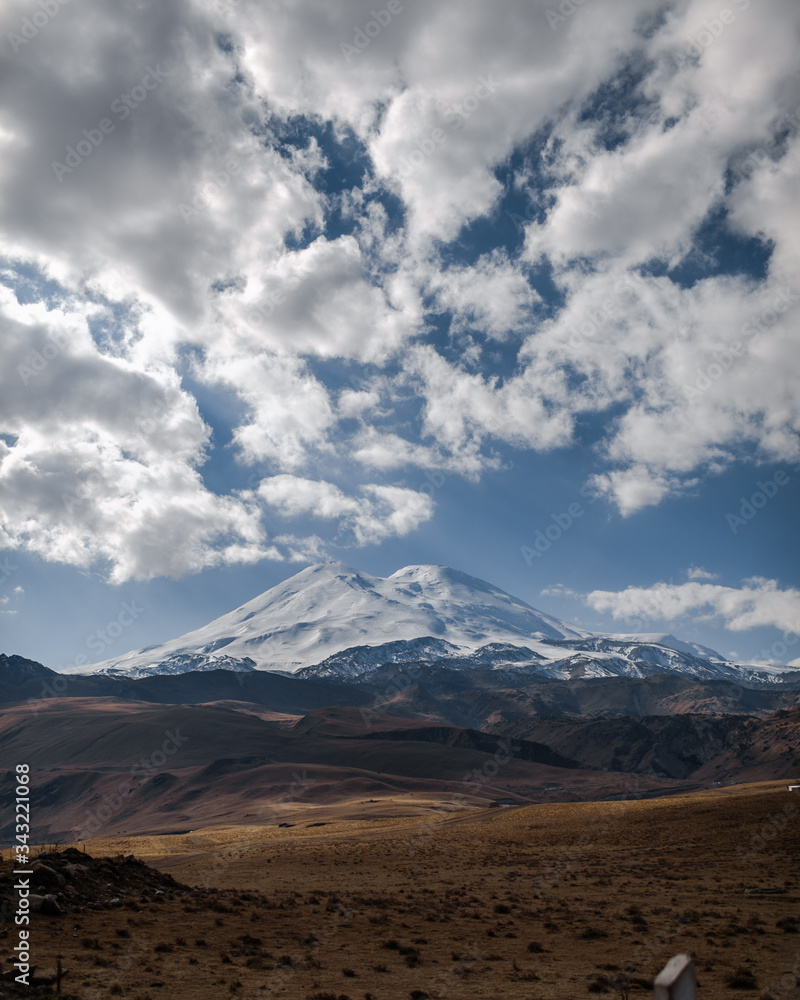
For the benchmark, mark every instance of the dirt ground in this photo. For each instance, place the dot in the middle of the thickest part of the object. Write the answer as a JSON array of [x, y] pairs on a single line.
[[561, 900]]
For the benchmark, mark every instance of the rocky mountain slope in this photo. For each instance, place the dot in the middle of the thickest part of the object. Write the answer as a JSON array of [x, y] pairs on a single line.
[[332, 621]]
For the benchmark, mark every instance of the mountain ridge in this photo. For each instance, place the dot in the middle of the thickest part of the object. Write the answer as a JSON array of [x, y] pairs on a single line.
[[330, 620]]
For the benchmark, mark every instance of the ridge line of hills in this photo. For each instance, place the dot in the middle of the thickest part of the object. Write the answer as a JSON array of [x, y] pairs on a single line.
[[332, 621]]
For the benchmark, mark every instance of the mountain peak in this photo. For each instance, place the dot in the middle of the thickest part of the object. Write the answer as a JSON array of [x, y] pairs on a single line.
[[332, 616], [329, 607]]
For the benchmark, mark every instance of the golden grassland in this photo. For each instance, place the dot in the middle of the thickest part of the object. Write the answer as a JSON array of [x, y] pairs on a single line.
[[557, 900]]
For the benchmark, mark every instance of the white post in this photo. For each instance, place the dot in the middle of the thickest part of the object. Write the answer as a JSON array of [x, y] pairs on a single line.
[[676, 981]]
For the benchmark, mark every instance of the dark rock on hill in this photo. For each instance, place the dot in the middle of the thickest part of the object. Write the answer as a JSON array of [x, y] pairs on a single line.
[[700, 747], [76, 880], [449, 736]]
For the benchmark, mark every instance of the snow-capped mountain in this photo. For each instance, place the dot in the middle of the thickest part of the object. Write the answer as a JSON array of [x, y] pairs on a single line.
[[331, 620]]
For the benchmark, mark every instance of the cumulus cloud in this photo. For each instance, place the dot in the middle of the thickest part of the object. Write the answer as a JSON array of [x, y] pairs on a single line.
[[379, 513], [289, 411], [265, 213], [698, 573], [757, 603]]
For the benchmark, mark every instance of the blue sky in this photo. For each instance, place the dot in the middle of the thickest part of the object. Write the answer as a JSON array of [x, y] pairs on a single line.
[[511, 288]]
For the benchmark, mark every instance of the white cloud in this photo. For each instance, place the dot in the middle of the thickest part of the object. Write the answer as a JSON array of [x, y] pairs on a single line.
[[103, 464], [758, 603], [492, 296], [190, 230], [558, 590], [698, 573], [381, 512], [289, 411]]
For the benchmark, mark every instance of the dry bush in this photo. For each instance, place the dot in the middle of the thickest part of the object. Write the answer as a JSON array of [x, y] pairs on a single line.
[[741, 979]]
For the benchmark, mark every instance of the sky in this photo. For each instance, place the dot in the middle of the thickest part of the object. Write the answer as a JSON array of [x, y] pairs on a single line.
[[512, 287]]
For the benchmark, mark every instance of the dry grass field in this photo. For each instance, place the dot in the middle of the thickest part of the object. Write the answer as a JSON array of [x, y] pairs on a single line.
[[556, 900]]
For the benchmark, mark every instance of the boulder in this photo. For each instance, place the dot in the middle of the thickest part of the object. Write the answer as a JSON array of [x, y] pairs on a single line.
[[46, 905], [47, 977], [45, 875], [73, 871]]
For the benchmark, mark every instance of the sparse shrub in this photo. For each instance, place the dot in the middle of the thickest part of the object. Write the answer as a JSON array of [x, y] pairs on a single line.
[[592, 934], [380, 968], [349, 973], [501, 908], [523, 975], [788, 925], [163, 947], [741, 979], [535, 948]]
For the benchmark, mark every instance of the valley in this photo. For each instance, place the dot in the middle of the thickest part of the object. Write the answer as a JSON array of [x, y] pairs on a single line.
[[549, 901]]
